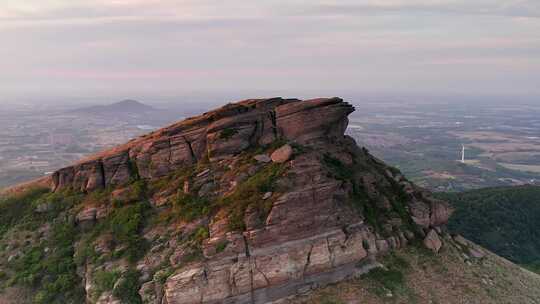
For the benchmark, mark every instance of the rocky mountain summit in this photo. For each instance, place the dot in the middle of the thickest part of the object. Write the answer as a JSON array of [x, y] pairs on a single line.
[[254, 202]]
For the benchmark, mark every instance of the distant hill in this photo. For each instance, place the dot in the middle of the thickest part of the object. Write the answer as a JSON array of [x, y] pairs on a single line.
[[505, 220], [127, 106]]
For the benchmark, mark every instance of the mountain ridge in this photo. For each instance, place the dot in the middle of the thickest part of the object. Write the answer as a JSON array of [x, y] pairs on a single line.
[[253, 202], [126, 106]]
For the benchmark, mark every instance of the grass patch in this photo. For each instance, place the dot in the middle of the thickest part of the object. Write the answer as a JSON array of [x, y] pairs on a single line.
[[85, 252], [337, 168], [136, 192], [391, 279], [105, 280], [190, 207], [399, 202], [172, 180], [127, 289], [194, 244], [126, 224], [363, 204], [221, 246], [98, 197], [250, 193], [359, 199], [387, 280], [162, 276], [330, 299]]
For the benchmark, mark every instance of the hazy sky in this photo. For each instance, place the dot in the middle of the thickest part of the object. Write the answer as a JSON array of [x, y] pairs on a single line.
[[168, 47]]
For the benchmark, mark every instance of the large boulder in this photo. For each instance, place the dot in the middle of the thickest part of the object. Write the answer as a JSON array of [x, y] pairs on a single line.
[[283, 154]]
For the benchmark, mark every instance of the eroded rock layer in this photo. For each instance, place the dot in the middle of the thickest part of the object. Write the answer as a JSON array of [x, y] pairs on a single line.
[[217, 134], [318, 231]]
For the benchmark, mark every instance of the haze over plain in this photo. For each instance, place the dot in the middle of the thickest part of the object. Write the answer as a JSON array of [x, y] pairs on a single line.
[[118, 49]]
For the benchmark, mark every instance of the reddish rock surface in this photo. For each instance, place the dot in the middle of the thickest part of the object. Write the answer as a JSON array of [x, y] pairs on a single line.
[[333, 212], [282, 154], [218, 134]]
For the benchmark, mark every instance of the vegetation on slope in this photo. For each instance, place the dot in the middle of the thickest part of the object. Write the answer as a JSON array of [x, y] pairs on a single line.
[[372, 208], [46, 264], [416, 276], [250, 193], [55, 244], [505, 220]]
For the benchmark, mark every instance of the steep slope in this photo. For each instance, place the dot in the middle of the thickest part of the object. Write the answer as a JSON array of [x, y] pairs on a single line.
[[506, 220], [453, 276], [250, 203]]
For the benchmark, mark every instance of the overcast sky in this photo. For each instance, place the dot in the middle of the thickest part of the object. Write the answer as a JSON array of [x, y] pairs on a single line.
[[170, 47]]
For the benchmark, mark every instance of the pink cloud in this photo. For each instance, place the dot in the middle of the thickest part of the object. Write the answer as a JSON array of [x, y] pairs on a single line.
[[163, 74]]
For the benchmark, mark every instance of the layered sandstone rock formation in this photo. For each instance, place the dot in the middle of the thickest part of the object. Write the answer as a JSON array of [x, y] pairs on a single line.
[[334, 211], [317, 232], [217, 134]]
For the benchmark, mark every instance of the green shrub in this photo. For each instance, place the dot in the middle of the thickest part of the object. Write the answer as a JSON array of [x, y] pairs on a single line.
[[365, 206], [162, 276], [128, 287], [172, 180], [138, 189], [133, 169], [28, 267], [390, 278], [200, 234], [189, 207], [105, 280], [98, 197], [221, 246], [250, 193], [86, 252], [337, 168], [53, 274], [126, 224], [193, 244]]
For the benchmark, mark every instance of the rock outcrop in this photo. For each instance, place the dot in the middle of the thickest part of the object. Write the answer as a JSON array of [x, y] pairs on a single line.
[[215, 135], [331, 211]]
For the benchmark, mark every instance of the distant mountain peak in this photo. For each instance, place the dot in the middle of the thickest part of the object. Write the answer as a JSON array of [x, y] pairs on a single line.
[[130, 102], [126, 106]]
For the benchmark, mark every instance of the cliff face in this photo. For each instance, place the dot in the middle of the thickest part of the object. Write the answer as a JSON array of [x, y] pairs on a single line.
[[217, 135], [264, 199], [338, 208]]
